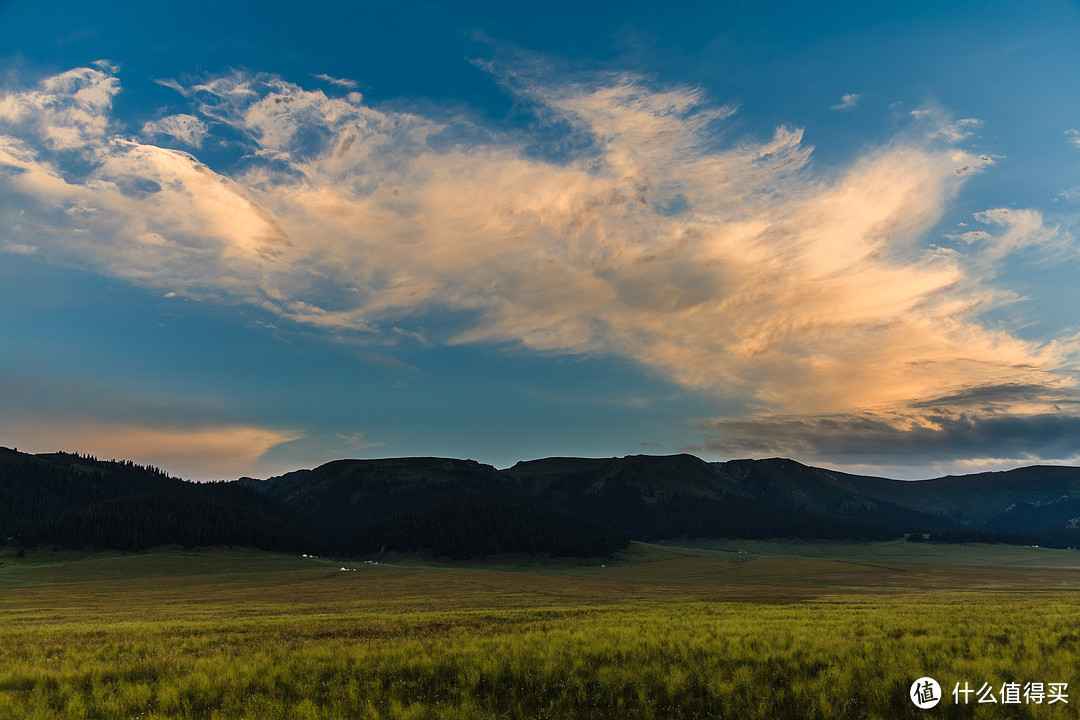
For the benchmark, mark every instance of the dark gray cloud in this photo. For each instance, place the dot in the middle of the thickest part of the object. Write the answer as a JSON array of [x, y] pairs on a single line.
[[933, 437], [994, 395]]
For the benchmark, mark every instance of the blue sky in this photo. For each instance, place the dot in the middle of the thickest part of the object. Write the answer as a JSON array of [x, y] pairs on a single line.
[[243, 238]]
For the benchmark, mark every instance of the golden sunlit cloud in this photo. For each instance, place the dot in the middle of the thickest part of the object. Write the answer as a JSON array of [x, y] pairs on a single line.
[[195, 453], [813, 301]]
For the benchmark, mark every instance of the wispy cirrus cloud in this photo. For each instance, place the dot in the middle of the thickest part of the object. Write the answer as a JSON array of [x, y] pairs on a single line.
[[729, 266], [1017, 230], [340, 82], [847, 102], [188, 129]]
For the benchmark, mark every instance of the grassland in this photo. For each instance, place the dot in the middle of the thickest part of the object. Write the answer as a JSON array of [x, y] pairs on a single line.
[[725, 630]]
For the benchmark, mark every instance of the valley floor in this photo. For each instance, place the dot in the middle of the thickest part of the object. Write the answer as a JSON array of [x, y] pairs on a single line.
[[732, 629]]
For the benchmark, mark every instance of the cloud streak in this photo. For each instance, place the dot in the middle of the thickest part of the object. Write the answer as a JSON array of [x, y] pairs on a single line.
[[340, 82], [194, 453], [949, 440], [189, 433], [847, 102], [728, 266]]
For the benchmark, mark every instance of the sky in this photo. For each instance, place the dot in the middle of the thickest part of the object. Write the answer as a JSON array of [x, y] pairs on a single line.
[[245, 238]]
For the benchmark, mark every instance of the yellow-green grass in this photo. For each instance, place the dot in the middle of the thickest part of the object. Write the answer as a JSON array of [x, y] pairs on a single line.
[[660, 632]]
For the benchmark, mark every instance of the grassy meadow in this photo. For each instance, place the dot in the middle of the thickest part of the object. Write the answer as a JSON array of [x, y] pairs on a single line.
[[721, 630]]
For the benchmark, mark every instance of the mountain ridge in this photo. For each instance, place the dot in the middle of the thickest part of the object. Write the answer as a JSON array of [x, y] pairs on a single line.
[[558, 505]]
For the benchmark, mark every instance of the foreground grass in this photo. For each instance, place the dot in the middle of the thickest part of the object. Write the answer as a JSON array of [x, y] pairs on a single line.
[[665, 633]]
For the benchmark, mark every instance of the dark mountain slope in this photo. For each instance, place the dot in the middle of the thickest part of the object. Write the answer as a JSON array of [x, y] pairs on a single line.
[[558, 506], [453, 508], [652, 498], [1029, 499], [78, 501], [982, 497], [653, 477], [789, 483], [457, 508]]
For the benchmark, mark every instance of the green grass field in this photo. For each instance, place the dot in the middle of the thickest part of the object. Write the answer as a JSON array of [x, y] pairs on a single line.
[[724, 630]]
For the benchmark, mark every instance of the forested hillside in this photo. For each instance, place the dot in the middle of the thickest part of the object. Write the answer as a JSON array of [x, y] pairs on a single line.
[[78, 501], [555, 506], [347, 507]]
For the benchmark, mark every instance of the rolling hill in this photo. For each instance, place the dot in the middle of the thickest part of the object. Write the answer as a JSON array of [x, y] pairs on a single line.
[[455, 508]]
